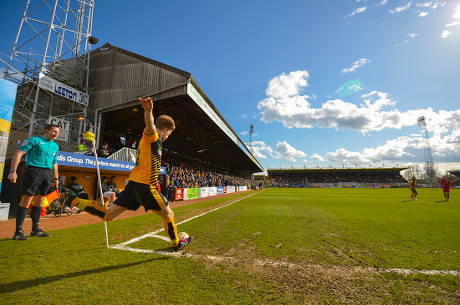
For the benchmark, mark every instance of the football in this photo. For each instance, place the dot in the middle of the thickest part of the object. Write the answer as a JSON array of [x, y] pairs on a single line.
[[182, 235]]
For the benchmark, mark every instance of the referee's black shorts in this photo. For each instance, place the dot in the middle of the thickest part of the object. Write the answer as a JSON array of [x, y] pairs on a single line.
[[36, 181], [138, 194]]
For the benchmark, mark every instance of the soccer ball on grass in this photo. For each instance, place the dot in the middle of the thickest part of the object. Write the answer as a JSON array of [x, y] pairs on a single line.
[[182, 235]]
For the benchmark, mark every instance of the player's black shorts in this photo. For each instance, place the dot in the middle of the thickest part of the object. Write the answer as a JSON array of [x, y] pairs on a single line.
[[138, 194], [36, 181]]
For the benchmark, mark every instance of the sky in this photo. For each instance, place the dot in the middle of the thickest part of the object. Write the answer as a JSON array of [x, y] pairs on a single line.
[[325, 83]]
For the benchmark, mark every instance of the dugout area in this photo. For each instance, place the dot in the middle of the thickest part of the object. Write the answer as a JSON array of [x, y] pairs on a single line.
[[118, 76]]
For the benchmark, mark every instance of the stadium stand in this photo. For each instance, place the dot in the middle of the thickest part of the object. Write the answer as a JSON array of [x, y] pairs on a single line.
[[371, 177], [185, 173]]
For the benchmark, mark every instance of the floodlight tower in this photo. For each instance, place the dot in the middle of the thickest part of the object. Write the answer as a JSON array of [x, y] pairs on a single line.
[[429, 165], [50, 63], [251, 131]]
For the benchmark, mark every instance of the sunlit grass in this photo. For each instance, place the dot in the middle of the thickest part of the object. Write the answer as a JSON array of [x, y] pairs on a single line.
[[324, 233]]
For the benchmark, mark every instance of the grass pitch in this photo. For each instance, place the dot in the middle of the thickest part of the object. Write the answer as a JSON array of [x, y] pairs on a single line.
[[280, 246]]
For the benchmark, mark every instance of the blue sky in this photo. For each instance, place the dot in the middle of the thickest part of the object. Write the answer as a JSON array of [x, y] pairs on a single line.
[[325, 83]]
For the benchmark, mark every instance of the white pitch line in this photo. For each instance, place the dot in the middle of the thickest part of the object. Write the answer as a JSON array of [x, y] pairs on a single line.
[[271, 263], [123, 246], [160, 230]]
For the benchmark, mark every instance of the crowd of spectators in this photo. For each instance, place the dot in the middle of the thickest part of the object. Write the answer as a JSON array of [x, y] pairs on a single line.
[[183, 173], [287, 180], [366, 178], [112, 146]]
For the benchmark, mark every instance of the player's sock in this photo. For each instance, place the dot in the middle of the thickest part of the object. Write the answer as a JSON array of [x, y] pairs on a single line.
[[35, 216], [171, 230], [74, 201], [91, 206], [21, 214]]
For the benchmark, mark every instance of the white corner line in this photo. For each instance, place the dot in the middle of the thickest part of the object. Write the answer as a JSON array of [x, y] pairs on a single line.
[[151, 234], [403, 271]]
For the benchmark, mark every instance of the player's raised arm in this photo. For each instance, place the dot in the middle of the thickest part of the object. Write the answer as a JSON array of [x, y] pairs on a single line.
[[147, 104]]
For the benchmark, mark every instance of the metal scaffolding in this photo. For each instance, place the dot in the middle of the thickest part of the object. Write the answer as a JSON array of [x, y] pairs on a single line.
[[50, 63]]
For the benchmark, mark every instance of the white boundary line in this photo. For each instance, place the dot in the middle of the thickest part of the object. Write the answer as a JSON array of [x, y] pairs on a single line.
[[123, 246], [152, 234]]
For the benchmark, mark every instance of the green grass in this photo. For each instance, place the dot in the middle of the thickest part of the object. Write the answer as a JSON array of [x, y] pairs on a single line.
[[335, 240]]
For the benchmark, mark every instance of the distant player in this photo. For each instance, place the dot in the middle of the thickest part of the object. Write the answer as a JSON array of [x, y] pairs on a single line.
[[412, 187], [446, 185], [142, 185]]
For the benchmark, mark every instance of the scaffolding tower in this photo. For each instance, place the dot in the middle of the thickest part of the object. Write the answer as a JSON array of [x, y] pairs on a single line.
[[429, 164], [50, 63]]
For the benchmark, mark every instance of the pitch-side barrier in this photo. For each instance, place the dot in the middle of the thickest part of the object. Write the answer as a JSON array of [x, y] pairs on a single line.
[[202, 192]]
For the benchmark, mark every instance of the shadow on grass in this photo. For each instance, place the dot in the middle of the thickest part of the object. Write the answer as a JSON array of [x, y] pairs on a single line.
[[20, 285]]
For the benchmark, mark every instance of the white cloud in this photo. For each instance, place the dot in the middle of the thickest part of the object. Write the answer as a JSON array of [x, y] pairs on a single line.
[[399, 9], [445, 34], [284, 85], [444, 131], [423, 14], [244, 116], [283, 151], [317, 157], [432, 4], [423, 4], [377, 112], [357, 64], [401, 149], [452, 24], [243, 133], [355, 88], [359, 10], [410, 37], [286, 151], [259, 149], [383, 2]]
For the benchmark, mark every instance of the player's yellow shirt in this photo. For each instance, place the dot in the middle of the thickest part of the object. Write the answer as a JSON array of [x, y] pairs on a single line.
[[148, 160], [412, 184]]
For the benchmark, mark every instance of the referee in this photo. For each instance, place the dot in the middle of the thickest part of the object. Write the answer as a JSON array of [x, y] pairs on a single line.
[[41, 160]]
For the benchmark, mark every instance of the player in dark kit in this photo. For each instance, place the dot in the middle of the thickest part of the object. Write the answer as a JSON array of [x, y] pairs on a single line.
[[446, 185], [142, 186]]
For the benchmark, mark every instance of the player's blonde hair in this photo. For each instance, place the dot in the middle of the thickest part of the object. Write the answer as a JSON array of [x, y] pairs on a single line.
[[165, 121]]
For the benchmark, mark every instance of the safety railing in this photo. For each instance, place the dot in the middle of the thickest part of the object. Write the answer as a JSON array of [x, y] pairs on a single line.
[[124, 154]]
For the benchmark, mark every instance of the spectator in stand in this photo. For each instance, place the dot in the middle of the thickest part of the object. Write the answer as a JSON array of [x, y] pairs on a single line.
[[103, 152], [77, 188], [108, 190], [113, 186], [90, 152], [82, 147], [446, 185], [170, 192]]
